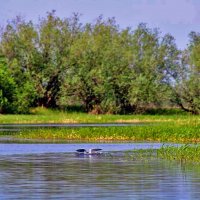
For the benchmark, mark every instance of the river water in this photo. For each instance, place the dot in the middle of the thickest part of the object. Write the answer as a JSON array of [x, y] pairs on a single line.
[[53, 171]]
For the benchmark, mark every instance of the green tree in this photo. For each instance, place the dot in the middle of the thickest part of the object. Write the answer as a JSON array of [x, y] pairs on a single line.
[[38, 57], [7, 88], [18, 46], [61, 62], [54, 46], [98, 60], [187, 88], [147, 85]]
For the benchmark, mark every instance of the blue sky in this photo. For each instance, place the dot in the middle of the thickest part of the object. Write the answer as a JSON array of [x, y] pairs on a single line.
[[177, 17]]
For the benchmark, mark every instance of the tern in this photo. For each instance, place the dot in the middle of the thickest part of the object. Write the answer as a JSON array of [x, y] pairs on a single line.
[[89, 152]]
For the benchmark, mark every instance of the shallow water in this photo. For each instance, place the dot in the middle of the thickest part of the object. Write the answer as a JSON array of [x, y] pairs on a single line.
[[10, 149], [35, 172], [18, 127]]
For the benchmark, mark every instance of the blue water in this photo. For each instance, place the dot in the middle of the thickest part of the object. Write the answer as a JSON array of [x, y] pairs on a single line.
[[10, 149], [52, 171]]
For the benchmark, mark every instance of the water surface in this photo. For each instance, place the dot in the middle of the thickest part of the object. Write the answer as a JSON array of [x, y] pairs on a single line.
[[18, 127], [15, 148], [35, 172]]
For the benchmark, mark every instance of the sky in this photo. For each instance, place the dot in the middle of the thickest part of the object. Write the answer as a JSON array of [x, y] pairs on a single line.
[[177, 17]]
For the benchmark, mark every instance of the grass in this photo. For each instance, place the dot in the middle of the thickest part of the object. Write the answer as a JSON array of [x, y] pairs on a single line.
[[184, 153], [179, 128], [175, 127], [43, 115], [162, 132]]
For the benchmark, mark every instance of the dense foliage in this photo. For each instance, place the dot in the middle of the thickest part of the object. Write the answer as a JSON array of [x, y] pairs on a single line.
[[106, 69]]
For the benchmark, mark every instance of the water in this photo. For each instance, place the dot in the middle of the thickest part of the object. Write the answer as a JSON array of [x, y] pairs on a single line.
[[52, 171], [10, 149], [18, 127]]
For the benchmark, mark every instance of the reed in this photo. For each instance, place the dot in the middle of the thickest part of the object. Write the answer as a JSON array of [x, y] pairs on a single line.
[[164, 132], [181, 128], [184, 153]]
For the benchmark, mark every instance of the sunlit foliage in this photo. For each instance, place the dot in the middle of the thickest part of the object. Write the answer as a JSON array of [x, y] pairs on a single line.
[[105, 69]]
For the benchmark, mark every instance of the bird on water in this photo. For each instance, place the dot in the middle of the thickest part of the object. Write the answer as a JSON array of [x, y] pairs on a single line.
[[89, 152]]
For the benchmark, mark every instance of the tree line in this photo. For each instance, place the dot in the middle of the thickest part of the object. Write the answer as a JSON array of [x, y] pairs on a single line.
[[106, 69]]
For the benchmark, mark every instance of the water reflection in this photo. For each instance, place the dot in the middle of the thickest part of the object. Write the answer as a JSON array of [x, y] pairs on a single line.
[[64, 176]]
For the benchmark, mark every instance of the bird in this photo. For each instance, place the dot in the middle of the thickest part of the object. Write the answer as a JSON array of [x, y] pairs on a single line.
[[81, 152]]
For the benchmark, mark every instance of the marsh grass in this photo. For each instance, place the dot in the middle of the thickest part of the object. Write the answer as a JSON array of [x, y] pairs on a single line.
[[180, 153], [179, 128], [43, 115], [141, 154], [183, 154], [162, 132]]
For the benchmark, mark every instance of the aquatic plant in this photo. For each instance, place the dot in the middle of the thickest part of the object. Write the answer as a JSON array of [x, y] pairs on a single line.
[[183, 153], [161, 128], [164, 132]]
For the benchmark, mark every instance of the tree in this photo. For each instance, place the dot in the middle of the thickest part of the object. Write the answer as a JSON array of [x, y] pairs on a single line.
[[7, 88], [149, 65], [38, 56], [18, 46], [187, 87], [98, 60], [61, 62], [53, 46]]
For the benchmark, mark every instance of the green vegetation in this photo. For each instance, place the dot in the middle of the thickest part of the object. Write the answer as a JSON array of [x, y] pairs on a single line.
[[185, 153], [43, 115], [101, 69], [166, 132], [165, 128], [177, 128], [59, 63]]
